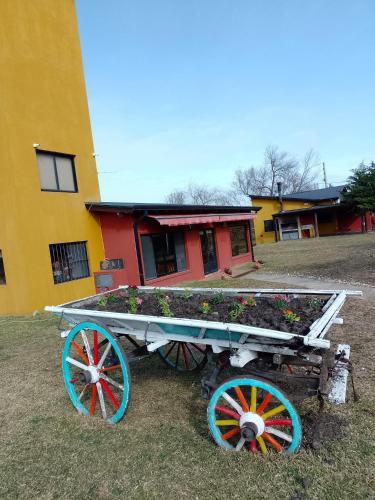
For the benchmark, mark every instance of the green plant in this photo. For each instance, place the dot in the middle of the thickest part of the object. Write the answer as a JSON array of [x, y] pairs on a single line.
[[187, 294], [103, 300], [205, 307], [290, 316], [163, 302], [218, 298], [133, 300], [236, 310], [250, 301], [132, 290], [281, 301], [111, 298], [316, 303], [133, 307], [165, 307]]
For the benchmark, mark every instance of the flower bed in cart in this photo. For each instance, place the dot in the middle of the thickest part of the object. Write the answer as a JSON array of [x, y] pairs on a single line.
[[279, 312]]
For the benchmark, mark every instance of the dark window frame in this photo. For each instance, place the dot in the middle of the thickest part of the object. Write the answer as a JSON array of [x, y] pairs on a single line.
[[3, 279], [59, 155], [164, 233], [269, 225], [246, 239], [59, 253]]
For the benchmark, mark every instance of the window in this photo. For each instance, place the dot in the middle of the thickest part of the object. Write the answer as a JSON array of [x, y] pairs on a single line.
[[56, 172], [2, 270], [269, 226], [163, 254], [69, 261], [238, 239]]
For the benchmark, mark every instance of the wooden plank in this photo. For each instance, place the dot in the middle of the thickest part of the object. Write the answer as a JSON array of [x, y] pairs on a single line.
[[337, 393]]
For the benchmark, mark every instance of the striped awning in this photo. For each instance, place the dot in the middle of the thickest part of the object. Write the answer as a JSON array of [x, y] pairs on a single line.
[[190, 220]]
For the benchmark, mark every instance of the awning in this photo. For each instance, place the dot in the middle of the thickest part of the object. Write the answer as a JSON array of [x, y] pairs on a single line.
[[190, 220]]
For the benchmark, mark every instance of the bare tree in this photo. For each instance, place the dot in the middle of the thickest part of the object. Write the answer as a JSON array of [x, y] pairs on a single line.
[[303, 177], [251, 180], [204, 195], [177, 197], [278, 166], [295, 175]]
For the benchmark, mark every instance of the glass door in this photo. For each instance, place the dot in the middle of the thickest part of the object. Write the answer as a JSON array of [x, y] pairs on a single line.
[[208, 250]]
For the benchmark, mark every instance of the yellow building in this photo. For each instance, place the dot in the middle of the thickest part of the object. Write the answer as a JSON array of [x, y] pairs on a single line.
[[304, 214], [49, 244]]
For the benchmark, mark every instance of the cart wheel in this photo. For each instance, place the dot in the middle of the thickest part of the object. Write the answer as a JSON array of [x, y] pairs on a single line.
[[249, 413], [184, 356], [96, 372]]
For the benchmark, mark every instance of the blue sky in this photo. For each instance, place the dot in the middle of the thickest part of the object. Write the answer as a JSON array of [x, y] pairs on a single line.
[[188, 91]]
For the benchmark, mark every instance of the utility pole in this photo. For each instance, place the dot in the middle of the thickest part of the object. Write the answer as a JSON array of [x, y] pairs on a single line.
[[325, 175]]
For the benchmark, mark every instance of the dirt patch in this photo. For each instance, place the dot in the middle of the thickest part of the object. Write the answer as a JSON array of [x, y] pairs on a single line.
[[320, 428], [261, 312]]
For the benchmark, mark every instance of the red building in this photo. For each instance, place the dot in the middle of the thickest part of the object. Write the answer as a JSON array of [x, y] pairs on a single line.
[[161, 244]]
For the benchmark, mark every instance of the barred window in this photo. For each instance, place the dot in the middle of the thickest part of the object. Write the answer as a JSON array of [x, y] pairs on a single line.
[[2, 270], [69, 261], [56, 172]]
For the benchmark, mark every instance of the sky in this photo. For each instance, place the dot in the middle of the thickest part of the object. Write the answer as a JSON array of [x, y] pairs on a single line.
[[189, 91]]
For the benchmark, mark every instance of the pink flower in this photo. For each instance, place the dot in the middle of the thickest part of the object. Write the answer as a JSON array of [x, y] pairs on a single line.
[[139, 300], [167, 298]]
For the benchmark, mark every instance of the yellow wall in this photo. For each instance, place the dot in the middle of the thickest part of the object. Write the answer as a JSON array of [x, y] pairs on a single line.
[[42, 100], [270, 207]]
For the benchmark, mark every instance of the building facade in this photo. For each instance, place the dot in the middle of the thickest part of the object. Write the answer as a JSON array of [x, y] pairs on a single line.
[[161, 245], [308, 214], [50, 245]]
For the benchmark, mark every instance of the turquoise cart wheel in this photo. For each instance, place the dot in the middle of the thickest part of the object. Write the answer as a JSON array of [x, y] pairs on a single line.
[[96, 372], [184, 356], [252, 414]]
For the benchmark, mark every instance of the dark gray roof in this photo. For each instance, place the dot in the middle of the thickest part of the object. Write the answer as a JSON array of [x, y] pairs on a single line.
[[131, 208], [329, 193]]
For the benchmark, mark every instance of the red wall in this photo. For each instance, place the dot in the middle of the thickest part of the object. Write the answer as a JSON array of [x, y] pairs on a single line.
[[119, 243], [369, 220], [306, 219], [351, 223]]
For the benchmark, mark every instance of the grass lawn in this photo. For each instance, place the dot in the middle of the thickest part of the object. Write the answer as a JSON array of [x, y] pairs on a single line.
[[347, 258], [162, 449]]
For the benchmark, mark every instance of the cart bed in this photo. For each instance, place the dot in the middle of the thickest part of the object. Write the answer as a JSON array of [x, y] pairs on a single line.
[[221, 334]]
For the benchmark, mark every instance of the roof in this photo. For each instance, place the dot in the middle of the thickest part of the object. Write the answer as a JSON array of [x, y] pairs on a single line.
[[316, 208], [166, 208], [329, 193]]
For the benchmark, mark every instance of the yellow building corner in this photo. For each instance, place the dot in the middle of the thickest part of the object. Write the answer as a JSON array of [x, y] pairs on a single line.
[[43, 107]]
